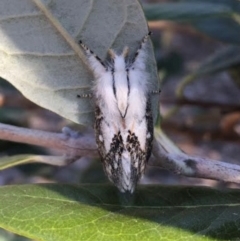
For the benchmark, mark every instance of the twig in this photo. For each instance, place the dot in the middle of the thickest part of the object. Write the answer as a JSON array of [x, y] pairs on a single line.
[[175, 160], [167, 154], [10, 161], [69, 142]]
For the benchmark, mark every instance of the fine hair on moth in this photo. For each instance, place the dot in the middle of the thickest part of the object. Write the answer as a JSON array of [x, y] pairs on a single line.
[[123, 115]]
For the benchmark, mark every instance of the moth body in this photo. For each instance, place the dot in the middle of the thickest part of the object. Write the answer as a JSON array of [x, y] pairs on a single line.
[[123, 124]]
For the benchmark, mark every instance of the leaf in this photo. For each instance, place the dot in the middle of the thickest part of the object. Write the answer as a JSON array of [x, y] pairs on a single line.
[[224, 59], [219, 61], [10, 161], [219, 19], [185, 11], [55, 212], [6, 236], [40, 56], [216, 28], [235, 74]]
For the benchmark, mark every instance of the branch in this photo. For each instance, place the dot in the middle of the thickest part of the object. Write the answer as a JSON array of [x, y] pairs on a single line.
[[69, 142], [167, 154], [174, 159]]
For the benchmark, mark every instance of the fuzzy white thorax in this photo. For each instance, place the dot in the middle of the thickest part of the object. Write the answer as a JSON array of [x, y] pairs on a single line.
[[120, 76], [125, 109]]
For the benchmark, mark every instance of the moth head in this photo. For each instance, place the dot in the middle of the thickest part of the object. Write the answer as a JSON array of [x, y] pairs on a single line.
[[119, 62]]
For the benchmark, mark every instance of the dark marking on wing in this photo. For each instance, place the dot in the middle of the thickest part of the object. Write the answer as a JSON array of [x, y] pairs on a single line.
[[149, 119], [128, 81], [144, 40], [88, 50], [112, 160], [113, 83]]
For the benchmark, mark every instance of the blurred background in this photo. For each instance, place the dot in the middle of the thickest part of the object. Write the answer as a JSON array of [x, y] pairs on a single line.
[[197, 49]]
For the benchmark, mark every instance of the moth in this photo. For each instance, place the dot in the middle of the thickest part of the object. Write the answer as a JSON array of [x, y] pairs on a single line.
[[123, 116]]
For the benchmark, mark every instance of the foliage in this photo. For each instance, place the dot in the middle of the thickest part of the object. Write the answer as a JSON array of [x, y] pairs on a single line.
[[50, 71], [55, 212], [218, 19]]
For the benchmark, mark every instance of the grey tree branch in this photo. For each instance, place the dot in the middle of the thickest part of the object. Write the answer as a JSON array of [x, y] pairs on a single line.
[[74, 144], [69, 142], [174, 159]]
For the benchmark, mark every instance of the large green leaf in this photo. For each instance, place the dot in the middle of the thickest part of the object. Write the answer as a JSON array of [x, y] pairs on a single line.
[[221, 60], [225, 59], [219, 19], [7, 236], [11, 161], [54, 212], [40, 56]]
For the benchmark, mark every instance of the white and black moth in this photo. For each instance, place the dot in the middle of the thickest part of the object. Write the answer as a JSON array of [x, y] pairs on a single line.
[[123, 117]]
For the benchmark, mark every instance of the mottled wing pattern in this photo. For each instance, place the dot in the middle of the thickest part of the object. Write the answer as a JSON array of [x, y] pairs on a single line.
[[140, 157], [98, 131], [112, 160]]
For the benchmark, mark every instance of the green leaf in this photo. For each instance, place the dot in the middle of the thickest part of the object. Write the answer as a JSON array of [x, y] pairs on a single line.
[[7, 236], [10, 161], [223, 29], [185, 11], [40, 55], [55, 212], [219, 61], [235, 74], [217, 18], [224, 59]]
